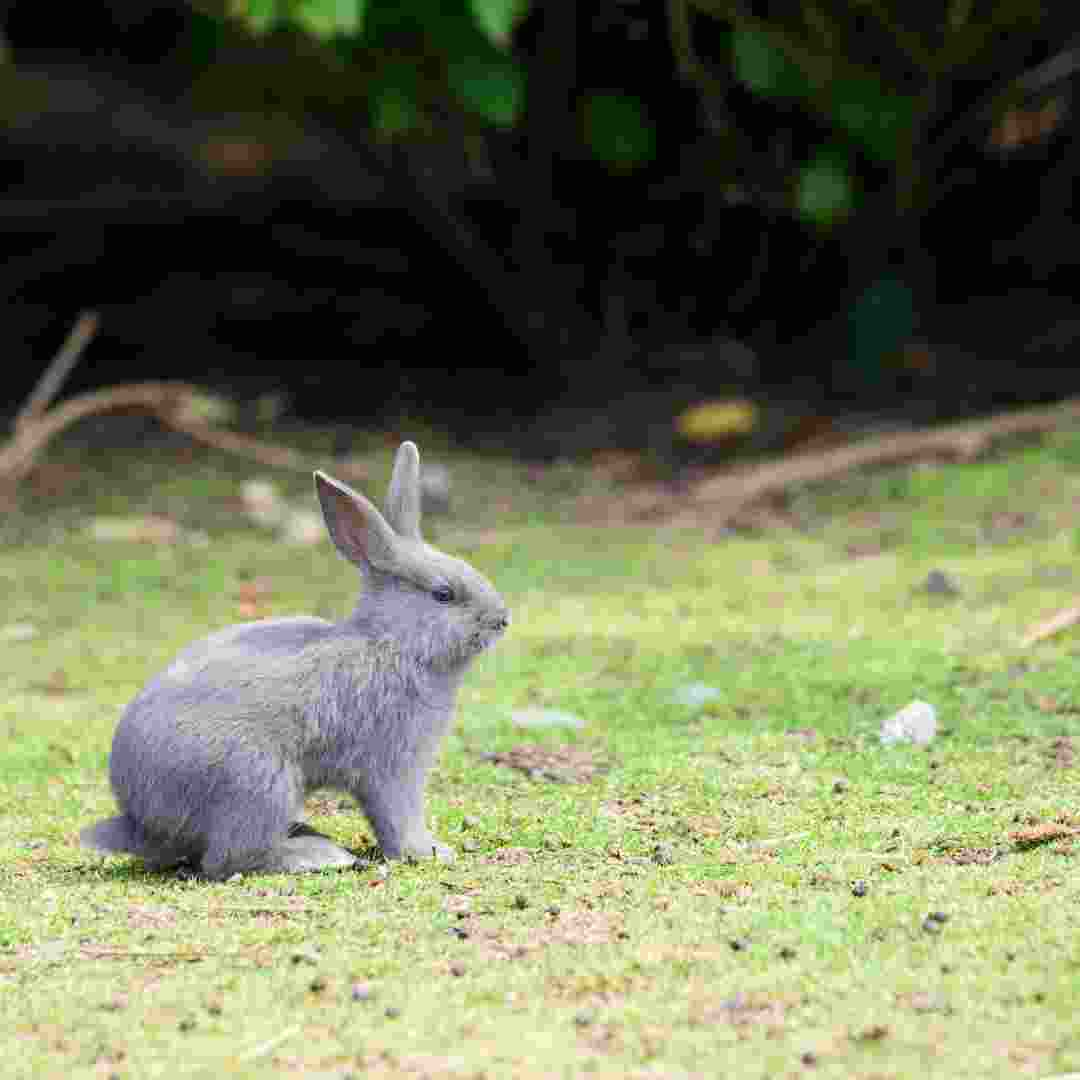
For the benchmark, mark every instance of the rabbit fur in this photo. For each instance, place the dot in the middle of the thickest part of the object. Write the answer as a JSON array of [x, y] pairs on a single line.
[[211, 761]]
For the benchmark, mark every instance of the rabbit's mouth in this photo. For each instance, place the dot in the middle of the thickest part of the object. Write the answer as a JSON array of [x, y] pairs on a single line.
[[485, 637]]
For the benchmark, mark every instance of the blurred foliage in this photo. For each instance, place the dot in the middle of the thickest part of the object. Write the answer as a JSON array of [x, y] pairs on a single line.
[[711, 141], [868, 71], [617, 130]]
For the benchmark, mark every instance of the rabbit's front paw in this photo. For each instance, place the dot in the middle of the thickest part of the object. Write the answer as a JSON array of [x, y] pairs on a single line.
[[442, 852], [429, 848]]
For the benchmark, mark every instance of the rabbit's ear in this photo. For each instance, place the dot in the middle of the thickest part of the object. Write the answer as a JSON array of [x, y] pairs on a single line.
[[358, 530], [403, 498]]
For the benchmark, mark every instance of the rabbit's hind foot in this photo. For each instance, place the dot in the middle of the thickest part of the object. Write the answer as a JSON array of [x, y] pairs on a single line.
[[292, 855]]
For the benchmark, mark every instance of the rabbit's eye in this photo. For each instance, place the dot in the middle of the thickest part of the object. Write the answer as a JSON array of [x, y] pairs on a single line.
[[443, 593]]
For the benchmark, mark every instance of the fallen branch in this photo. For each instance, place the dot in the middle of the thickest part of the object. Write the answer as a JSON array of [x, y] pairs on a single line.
[[175, 405], [55, 375], [729, 492]]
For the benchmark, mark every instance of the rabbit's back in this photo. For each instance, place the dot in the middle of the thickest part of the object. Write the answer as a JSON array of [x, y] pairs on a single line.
[[246, 692]]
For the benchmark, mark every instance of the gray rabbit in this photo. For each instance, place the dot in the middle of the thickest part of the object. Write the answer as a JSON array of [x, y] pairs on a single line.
[[211, 761]]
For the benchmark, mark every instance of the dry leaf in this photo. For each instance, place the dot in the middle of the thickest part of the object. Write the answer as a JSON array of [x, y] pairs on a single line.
[[1041, 834], [715, 421], [1063, 620], [567, 764]]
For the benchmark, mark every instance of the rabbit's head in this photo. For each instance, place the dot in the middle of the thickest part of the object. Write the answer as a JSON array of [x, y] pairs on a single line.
[[437, 609]]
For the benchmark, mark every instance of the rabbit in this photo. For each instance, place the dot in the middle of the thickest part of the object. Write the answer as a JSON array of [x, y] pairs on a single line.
[[212, 759]]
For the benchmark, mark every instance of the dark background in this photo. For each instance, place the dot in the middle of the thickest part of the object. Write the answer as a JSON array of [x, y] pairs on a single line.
[[228, 204]]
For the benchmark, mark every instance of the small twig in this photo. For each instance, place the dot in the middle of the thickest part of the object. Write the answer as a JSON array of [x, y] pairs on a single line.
[[1063, 620], [55, 375], [265, 1047], [170, 404], [144, 954]]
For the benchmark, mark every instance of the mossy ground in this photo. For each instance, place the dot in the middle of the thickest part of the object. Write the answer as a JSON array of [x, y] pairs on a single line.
[[741, 889]]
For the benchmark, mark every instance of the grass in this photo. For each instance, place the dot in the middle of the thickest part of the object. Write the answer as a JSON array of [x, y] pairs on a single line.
[[741, 887]]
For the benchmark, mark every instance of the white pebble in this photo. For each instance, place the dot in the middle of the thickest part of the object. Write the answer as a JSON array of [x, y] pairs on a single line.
[[915, 723]]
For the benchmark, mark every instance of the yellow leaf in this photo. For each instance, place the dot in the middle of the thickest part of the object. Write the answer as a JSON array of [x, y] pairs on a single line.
[[713, 421]]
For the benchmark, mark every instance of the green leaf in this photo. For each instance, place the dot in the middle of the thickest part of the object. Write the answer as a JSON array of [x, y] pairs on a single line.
[[762, 66], [204, 39], [494, 89], [394, 100], [824, 193], [393, 112], [497, 18], [350, 16], [618, 131], [260, 15], [881, 320], [872, 115], [329, 18]]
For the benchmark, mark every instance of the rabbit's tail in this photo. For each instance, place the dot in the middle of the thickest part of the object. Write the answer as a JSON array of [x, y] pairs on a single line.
[[112, 834]]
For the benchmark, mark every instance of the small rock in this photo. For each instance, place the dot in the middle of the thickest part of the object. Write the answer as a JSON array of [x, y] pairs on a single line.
[[931, 926], [459, 932], [361, 991], [739, 944], [809, 1058], [663, 855], [583, 1018], [304, 956], [938, 916], [19, 631], [938, 583], [470, 822], [916, 723], [694, 694], [392, 1012], [457, 970], [553, 910], [545, 718], [263, 503], [859, 888], [302, 528]]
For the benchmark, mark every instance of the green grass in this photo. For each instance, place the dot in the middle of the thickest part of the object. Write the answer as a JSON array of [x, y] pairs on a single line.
[[743, 891]]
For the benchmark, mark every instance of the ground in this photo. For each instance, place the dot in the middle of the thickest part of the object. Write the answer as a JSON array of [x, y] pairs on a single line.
[[752, 885]]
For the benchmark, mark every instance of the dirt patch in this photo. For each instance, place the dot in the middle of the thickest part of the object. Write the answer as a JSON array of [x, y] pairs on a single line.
[[1046, 833], [922, 1002], [746, 1011], [150, 917], [972, 856], [1061, 753], [509, 856], [564, 764], [577, 927], [328, 805]]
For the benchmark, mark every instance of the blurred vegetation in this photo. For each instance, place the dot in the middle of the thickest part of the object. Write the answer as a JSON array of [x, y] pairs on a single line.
[[616, 181]]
